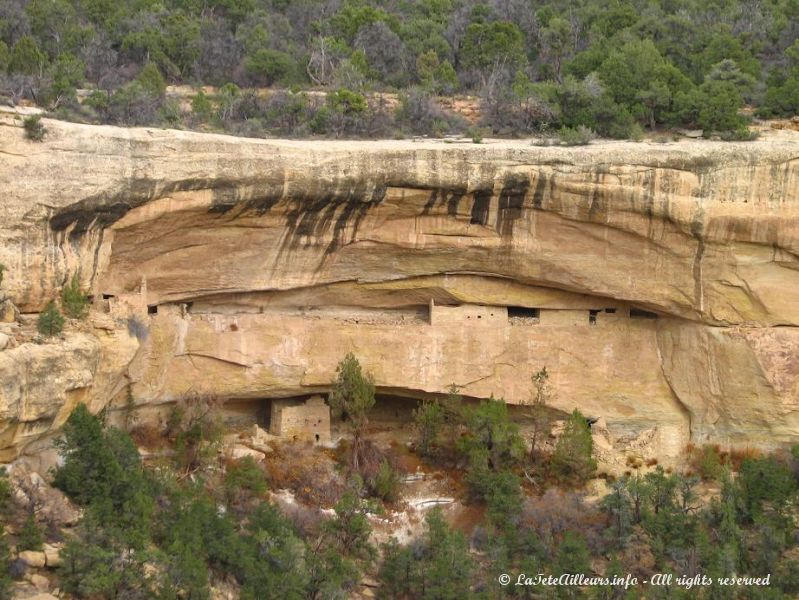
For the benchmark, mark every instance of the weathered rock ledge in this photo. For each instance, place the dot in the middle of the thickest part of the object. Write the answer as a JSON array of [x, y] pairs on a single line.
[[659, 283]]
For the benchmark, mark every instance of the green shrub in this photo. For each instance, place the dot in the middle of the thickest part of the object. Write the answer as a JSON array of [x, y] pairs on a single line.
[[386, 482], [5, 490], [51, 321], [709, 463], [267, 67], [201, 106], [30, 536], [5, 563], [351, 398], [438, 566], [74, 302], [577, 136], [34, 129], [429, 419], [244, 477], [170, 112], [573, 457], [99, 101], [766, 480], [195, 427], [347, 102], [742, 134], [2, 270], [102, 471], [491, 445], [151, 80], [476, 134], [92, 566]]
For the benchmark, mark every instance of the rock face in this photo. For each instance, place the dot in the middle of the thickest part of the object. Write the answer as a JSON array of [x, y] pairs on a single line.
[[658, 283]]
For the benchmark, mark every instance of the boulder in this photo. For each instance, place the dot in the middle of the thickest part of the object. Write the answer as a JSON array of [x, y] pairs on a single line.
[[8, 311], [40, 582], [30, 489], [33, 558], [240, 451], [52, 555]]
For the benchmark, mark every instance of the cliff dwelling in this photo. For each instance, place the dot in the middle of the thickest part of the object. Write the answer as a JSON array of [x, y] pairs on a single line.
[[304, 419], [475, 288]]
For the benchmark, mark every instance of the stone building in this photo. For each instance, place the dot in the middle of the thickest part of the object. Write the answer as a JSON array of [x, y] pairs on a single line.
[[465, 313], [301, 419]]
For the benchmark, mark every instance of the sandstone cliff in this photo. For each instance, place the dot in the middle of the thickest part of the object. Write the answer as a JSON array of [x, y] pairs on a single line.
[[659, 283]]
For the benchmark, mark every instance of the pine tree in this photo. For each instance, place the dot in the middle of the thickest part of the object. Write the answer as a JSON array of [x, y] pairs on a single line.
[[74, 302], [51, 322], [572, 557], [541, 419], [30, 536], [102, 471], [618, 507], [429, 418], [572, 459], [352, 396]]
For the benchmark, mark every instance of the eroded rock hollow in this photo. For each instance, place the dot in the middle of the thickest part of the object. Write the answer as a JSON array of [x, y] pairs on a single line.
[[658, 283]]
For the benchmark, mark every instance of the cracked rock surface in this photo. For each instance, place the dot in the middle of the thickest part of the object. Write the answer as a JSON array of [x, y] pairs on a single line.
[[658, 283]]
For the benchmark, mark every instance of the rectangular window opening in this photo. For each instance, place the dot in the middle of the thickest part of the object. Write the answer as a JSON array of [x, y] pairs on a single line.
[[639, 313], [523, 311]]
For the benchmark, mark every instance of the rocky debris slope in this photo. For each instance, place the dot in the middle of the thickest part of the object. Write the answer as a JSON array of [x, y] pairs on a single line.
[[659, 283]]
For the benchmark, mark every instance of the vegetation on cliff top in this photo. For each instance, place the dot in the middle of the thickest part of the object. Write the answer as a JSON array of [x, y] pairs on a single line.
[[608, 67]]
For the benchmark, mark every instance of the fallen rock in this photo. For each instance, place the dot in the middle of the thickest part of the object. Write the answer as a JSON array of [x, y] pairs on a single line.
[[240, 451], [8, 312], [33, 558], [260, 436], [30, 489], [40, 582], [258, 439], [3, 341], [52, 555]]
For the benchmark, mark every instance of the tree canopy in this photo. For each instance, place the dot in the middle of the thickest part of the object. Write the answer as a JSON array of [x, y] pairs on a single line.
[[632, 62]]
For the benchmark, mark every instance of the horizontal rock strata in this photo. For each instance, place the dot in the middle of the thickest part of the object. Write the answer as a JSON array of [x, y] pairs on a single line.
[[658, 283]]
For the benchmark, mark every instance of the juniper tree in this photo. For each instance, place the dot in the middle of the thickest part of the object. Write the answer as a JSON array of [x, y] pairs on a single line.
[[51, 321], [540, 410], [74, 302], [352, 396], [572, 459]]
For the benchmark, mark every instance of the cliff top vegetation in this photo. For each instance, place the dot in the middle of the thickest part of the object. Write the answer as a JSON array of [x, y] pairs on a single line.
[[612, 68]]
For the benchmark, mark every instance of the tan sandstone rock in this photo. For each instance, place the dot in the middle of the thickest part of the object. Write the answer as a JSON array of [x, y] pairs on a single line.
[[29, 488], [40, 582], [52, 555], [658, 283], [8, 312], [32, 558], [240, 451]]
